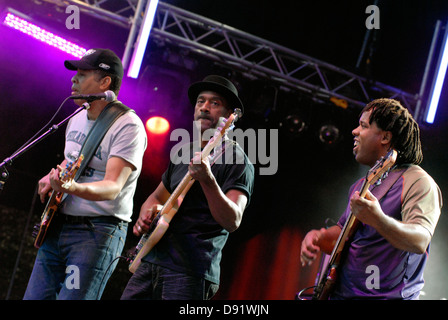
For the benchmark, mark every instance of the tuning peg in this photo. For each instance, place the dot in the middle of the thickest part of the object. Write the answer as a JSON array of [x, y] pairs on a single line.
[[238, 113], [36, 229]]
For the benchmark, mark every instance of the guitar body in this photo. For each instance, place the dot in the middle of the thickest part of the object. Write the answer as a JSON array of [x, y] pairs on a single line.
[[326, 286], [54, 202], [327, 283], [150, 239], [161, 222], [49, 212]]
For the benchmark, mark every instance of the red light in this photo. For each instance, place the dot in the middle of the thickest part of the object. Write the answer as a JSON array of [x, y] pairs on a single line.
[[157, 125]]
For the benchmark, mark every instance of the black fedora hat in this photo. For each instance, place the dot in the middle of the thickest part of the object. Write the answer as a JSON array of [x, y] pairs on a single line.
[[217, 84]]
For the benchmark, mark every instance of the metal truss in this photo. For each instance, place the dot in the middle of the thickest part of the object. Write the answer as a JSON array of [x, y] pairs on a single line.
[[264, 59], [253, 56], [118, 12]]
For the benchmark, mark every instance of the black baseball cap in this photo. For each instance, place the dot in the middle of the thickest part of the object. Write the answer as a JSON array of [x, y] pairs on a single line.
[[97, 59]]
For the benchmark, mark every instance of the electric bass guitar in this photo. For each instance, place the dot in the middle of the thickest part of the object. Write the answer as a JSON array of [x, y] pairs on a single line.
[[161, 221], [66, 176], [327, 282]]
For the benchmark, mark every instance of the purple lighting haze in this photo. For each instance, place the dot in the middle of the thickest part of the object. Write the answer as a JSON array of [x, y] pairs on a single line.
[[43, 35]]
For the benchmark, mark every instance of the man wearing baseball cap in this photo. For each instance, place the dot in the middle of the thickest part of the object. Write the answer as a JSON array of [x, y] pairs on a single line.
[[89, 229], [106, 65], [98, 59], [185, 263]]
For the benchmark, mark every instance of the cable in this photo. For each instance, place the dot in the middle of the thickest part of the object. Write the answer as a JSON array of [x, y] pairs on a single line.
[[299, 296], [105, 273]]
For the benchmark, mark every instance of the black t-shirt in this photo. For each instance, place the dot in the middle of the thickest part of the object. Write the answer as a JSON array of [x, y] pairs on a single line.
[[194, 240]]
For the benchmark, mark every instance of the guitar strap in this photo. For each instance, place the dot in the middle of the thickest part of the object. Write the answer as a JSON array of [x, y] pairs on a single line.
[[380, 190], [102, 124]]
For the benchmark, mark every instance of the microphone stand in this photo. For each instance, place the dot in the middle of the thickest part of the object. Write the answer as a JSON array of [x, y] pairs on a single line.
[[8, 161]]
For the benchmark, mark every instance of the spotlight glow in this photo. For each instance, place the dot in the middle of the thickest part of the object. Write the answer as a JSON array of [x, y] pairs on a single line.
[[329, 134], [142, 41], [43, 35], [437, 88], [157, 125]]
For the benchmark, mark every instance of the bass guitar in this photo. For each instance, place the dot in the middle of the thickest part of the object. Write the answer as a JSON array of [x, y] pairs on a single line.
[[327, 282], [66, 176], [161, 221]]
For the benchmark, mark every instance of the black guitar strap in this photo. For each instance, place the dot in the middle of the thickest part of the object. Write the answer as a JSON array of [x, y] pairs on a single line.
[[102, 124]]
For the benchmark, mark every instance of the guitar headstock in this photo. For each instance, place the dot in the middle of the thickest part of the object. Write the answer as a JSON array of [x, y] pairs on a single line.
[[67, 175], [225, 125], [381, 167]]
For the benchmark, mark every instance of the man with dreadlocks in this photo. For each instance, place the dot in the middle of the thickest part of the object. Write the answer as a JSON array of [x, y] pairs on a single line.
[[386, 256]]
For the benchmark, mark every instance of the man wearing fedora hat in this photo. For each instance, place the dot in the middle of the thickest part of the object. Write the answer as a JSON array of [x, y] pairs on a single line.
[[77, 256], [185, 263]]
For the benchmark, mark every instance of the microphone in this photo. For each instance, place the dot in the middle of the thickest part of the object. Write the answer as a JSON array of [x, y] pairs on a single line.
[[109, 96]]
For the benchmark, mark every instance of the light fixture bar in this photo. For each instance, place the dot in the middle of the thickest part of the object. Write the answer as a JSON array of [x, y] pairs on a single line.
[[43, 35], [438, 83], [142, 39]]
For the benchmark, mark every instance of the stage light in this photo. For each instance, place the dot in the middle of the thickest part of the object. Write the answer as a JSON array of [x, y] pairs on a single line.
[[293, 124], [329, 134], [157, 125], [142, 39], [438, 83], [43, 35]]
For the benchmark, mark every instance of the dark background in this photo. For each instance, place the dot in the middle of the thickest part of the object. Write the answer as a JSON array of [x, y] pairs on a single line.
[[261, 259]]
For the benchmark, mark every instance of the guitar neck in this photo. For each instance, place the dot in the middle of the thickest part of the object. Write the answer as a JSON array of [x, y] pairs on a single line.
[[347, 231], [381, 167], [181, 189], [327, 283], [187, 181]]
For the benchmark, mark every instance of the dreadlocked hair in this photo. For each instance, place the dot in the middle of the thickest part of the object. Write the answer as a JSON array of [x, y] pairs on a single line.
[[390, 115]]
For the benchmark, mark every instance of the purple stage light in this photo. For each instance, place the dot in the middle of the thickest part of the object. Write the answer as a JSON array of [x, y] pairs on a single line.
[[43, 35]]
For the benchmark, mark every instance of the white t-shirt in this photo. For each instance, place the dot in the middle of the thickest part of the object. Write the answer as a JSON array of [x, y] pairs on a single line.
[[126, 139]]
